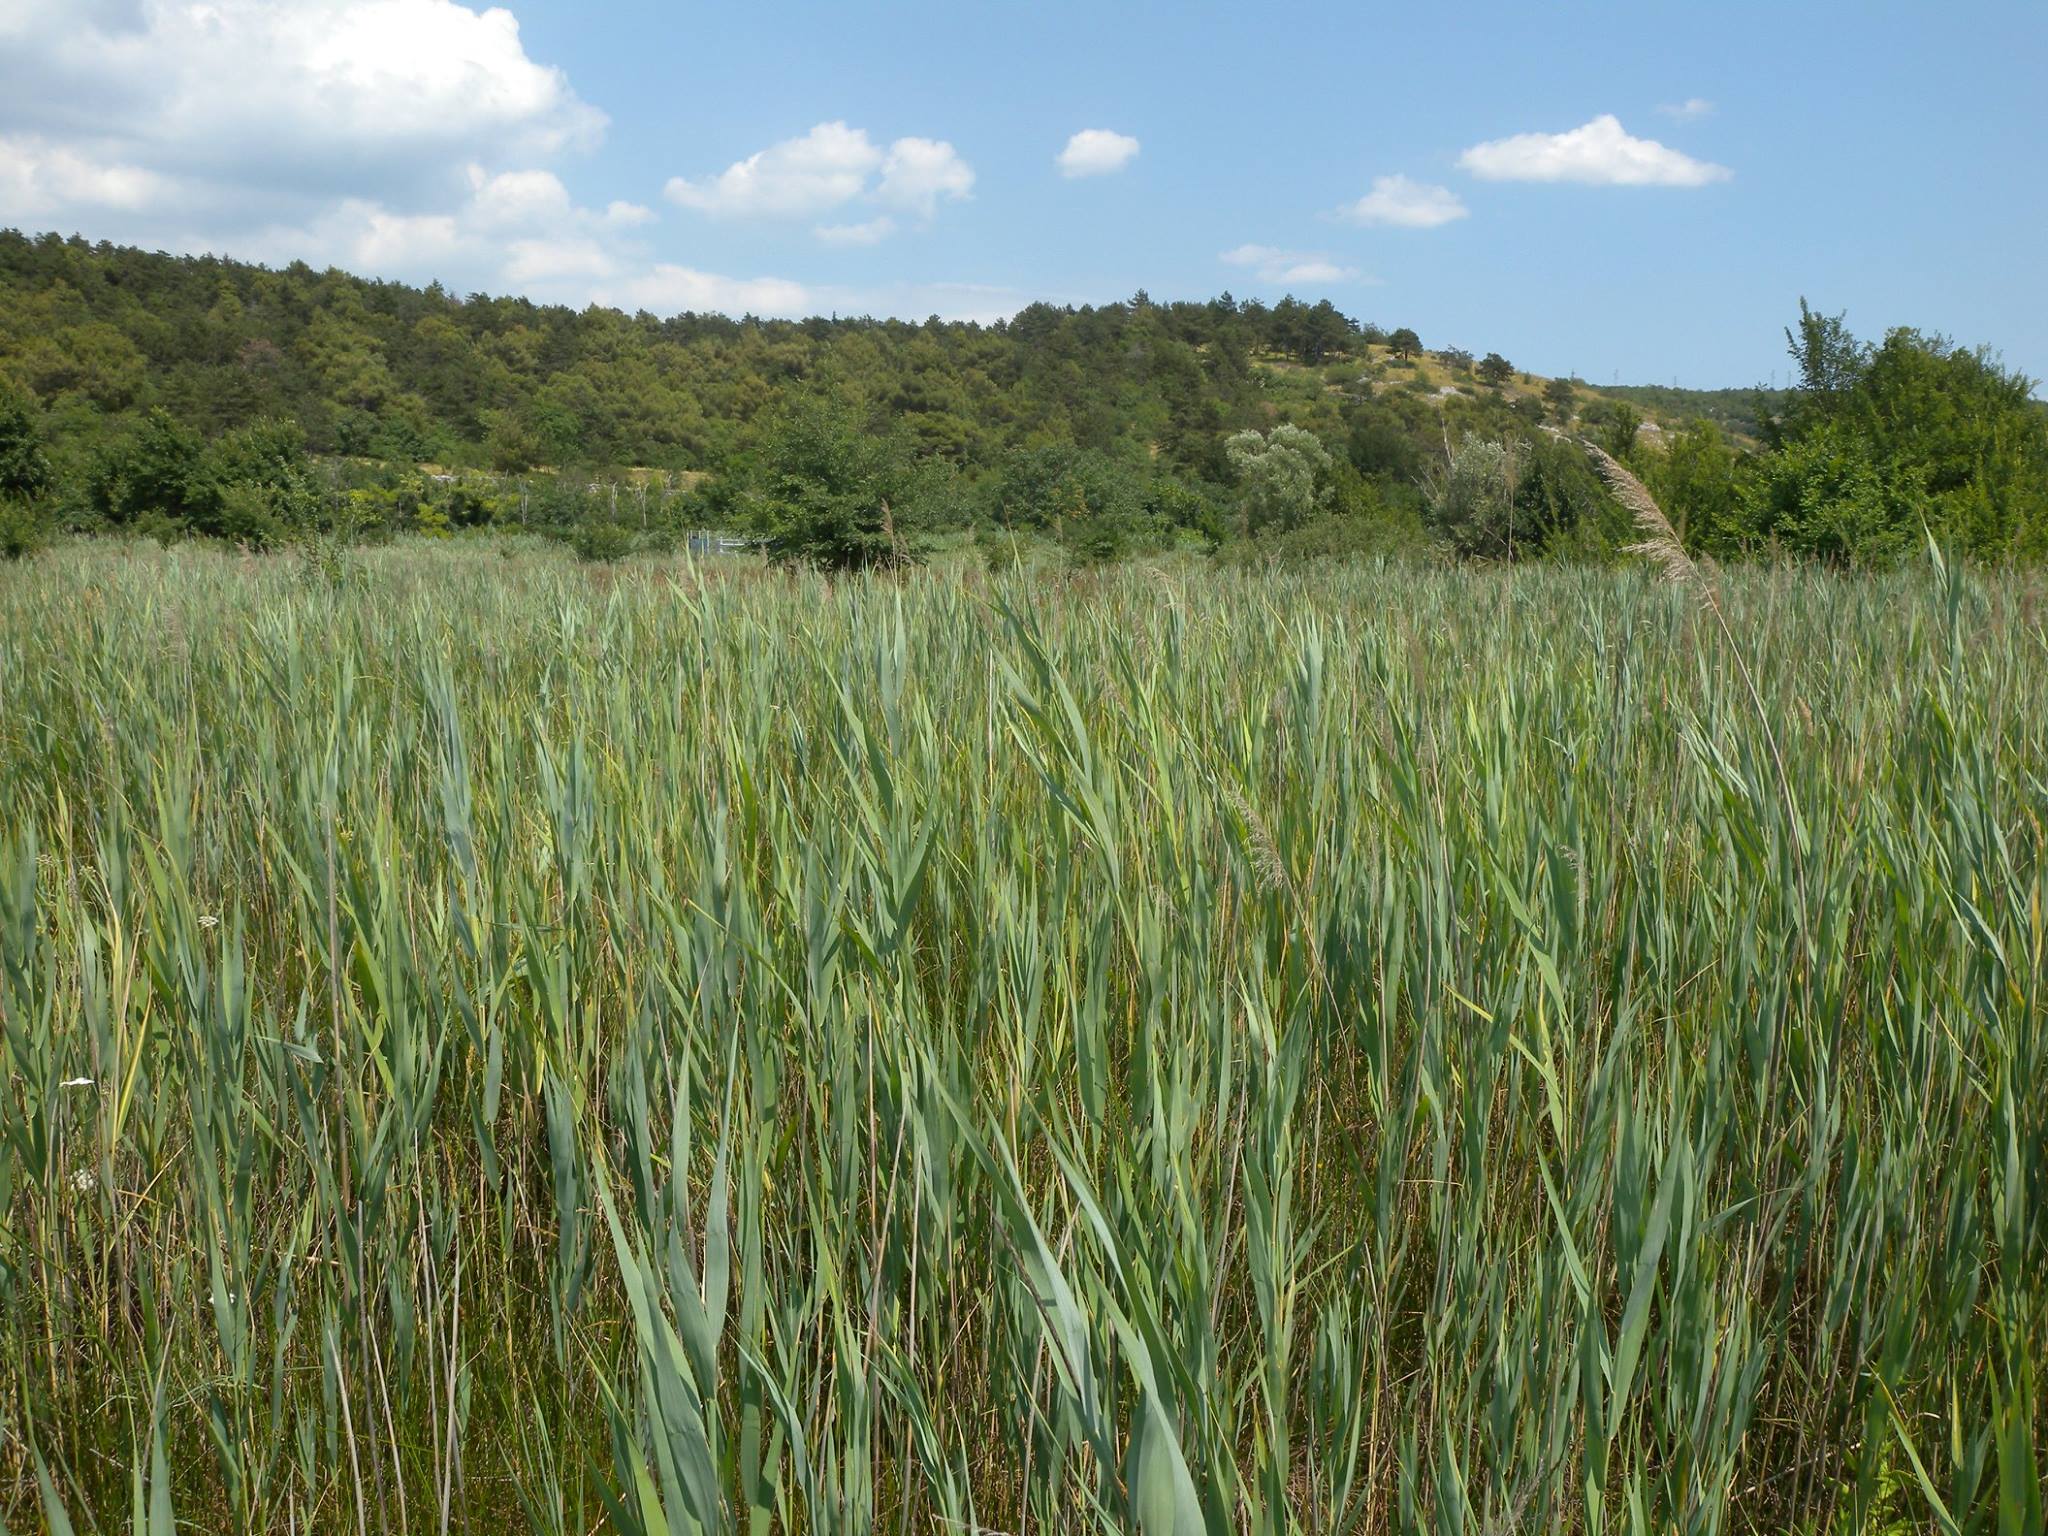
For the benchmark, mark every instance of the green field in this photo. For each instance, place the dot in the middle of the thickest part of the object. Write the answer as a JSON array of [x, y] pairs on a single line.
[[496, 1044]]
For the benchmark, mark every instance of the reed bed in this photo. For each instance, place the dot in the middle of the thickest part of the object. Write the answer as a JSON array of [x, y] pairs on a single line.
[[494, 1045]]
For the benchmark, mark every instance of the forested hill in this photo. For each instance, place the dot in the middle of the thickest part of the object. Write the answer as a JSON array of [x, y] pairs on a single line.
[[387, 370], [200, 395]]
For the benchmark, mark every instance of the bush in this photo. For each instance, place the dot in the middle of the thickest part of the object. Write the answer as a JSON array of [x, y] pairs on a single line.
[[1826, 494], [599, 540], [24, 466], [1282, 476], [22, 529], [1472, 498], [837, 496], [1325, 539], [1196, 509], [1613, 425], [470, 503], [1562, 508], [1698, 481], [1099, 540], [1057, 483]]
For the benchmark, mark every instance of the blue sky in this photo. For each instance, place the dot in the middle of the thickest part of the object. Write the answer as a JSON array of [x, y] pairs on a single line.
[[1638, 191]]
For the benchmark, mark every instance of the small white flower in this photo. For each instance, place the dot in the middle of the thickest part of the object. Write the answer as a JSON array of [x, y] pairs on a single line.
[[76, 1082], [208, 920], [84, 1180]]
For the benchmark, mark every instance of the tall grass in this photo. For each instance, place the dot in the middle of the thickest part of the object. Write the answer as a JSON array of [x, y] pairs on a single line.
[[496, 1045]]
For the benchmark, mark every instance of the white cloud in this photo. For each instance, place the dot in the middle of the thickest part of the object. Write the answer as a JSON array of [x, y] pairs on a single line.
[[372, 238], [918, 172], [398, 138], [410, 139], [515, 198], [982, 303], [39, 179], [1600, 152], [1405, 204], [1096, 152], [540, 259], [1691, 108], [1274, 265], [344, 97], [402, 137], [669, 289], [871, 232], [829, 167]]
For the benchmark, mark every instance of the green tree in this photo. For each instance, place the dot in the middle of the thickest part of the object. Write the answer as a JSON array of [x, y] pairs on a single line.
[[24, 475], [1825, 493], [1495, 370], [1697, 480], [1562, 509], [1614, 426], [1471, 498], [153, 478], [1404, 343], [1878, 443], [1320, 331], [24, 465], [1278, 475], [1829, 359], [836, 494]]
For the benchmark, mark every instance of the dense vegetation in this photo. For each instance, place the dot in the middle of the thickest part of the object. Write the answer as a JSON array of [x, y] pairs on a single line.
[[192, 395], [496, 1044]]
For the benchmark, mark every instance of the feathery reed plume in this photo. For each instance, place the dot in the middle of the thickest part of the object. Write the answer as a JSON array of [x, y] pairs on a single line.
[[1659, 539], [1267, 861]]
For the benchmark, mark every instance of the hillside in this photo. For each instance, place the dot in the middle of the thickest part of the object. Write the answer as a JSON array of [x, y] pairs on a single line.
[[101, 333], [194, 394]]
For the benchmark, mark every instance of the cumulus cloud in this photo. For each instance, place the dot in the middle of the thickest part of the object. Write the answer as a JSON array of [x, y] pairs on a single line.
[[869, 232], [40, 180], [404, 137], [411, 139], [1405, 204], [620, 214], [1600, 153], [1096, 152], [981, 303], [828, 168], [514, 198], [519, 229], [1691, 108], [540, 259], [1274, 265], [667, 288], [400, 138], [918, 172], [337, 96]]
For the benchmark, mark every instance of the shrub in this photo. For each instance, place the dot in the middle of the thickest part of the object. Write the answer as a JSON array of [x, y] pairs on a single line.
[[1472, 498], [599, 540], [1279, 476], [22, 529], [837, 495]]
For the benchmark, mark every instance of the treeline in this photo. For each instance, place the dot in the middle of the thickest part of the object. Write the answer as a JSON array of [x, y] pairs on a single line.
[[195, 395]]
